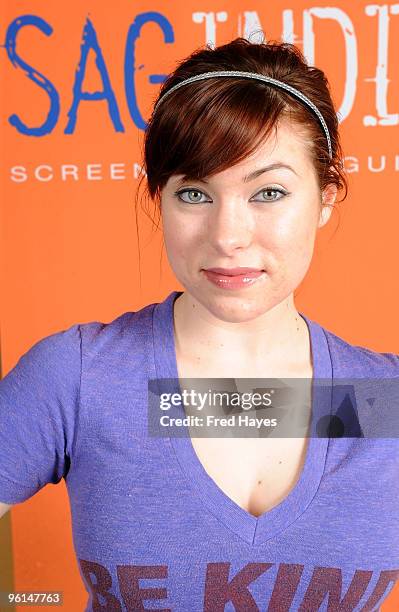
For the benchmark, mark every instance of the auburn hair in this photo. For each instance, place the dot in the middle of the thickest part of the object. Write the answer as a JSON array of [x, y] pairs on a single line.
[[209, 125]]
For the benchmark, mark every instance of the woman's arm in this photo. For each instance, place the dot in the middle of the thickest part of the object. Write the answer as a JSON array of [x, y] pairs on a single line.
[[4, 508], [39, 400]]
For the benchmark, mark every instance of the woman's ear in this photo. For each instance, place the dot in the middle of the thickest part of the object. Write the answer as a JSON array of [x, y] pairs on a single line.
[[328, 198]]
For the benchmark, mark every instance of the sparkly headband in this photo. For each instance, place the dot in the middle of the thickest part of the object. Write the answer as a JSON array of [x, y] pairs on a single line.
[[260, 77]]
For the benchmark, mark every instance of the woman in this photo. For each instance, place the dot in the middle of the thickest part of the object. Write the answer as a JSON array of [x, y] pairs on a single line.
[[245, 171]]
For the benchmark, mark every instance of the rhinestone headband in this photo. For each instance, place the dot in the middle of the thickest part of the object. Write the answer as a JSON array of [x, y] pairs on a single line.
[[259, 77]]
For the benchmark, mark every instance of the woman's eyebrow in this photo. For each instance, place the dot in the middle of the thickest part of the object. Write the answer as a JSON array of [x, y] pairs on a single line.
[[247, 178], [275, 166]]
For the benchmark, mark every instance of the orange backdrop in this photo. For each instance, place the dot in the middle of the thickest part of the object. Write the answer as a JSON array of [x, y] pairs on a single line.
[[71, 163]]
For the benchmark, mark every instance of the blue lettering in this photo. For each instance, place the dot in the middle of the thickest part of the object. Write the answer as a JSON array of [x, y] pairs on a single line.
[[133, 34], [90, 42], [34, 75]]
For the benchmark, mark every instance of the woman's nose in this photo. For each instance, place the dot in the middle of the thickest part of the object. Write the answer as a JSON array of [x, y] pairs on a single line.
[[230, 225]]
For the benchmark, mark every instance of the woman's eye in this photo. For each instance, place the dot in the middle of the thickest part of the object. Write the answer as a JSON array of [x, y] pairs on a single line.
[[269, 191], [193, 199], [194, 195]]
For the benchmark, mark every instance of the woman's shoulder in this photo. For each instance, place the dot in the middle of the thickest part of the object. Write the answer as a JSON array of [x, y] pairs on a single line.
[[129, 330], [352, 359]]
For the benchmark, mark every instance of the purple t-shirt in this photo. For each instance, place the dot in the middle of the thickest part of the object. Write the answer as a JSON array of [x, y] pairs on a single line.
[[151, 529]]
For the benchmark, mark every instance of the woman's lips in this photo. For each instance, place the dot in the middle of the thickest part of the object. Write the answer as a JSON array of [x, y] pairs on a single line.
[[234, 282], [234, 271]]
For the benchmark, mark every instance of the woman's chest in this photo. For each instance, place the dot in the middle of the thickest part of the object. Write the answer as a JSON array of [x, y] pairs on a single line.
[[256, 472]]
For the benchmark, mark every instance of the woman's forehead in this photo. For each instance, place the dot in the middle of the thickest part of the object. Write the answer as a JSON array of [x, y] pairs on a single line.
[[287, 141], [285, 151]]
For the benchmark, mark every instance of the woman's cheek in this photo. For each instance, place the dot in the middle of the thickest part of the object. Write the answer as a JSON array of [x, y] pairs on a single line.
[[178, 246], [296, 234]]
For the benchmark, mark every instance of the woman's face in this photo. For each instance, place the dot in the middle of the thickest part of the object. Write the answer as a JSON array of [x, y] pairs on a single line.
[[268, 223]]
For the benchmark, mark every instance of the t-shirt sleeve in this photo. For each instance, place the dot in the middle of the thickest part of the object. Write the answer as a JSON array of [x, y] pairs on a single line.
[[38, 412]]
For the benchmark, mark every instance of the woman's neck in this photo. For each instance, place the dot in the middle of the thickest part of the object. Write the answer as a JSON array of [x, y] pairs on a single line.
[[279, 336]]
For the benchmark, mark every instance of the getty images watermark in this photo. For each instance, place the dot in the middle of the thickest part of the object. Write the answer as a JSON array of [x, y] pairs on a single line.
[[269, 407]]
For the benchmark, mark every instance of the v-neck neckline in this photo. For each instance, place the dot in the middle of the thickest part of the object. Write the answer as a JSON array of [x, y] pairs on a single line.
[[254, 530]]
